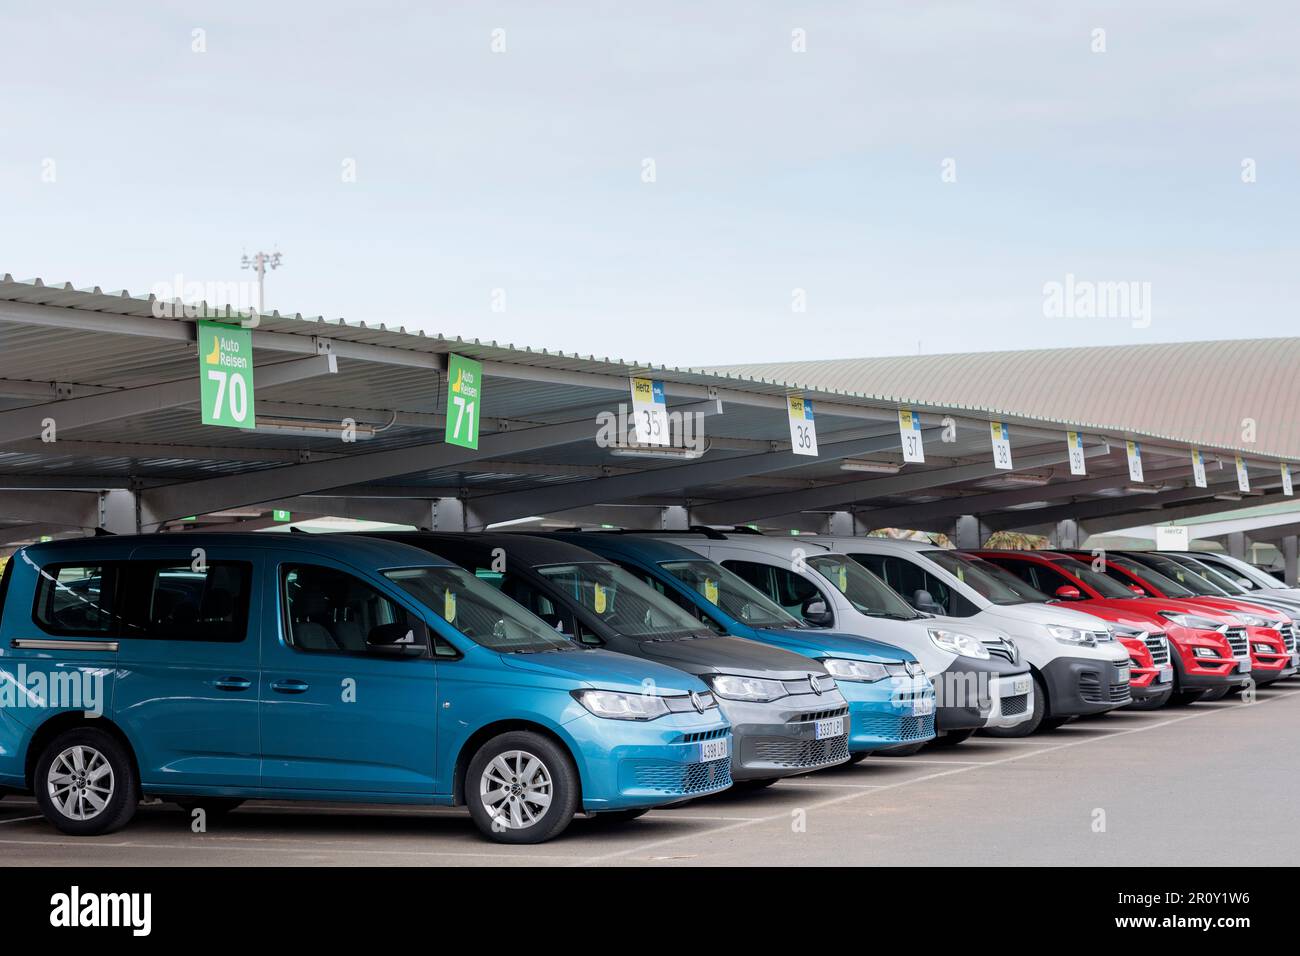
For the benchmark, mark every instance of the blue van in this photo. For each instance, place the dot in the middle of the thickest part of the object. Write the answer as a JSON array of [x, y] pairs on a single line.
[[891, 700], [210, 669]]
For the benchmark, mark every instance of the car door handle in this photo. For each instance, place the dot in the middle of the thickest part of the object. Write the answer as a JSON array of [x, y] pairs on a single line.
[[232, 683], [289, 686]]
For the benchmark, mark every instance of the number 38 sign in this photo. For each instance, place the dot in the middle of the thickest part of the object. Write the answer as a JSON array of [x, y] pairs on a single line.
[[226, 375]]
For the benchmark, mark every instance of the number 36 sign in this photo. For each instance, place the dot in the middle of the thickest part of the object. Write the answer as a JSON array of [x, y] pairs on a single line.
[[226, 375]]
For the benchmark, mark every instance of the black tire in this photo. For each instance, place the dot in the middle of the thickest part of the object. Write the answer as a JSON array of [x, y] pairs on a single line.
[[120, 800], [1152, 703], [1055, 723], [1186, 697], [618, 817], [520, 820], [1037, 718], [859, 757], [902, 750], [951, 738], [754, 784], [1218, 693], [213, 807]]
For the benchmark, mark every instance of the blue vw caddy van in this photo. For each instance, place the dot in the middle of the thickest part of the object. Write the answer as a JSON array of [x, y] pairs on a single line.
[[210, 669], [891, 700]]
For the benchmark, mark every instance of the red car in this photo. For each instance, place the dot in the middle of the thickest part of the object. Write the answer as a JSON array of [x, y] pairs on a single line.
[[1200, 640], [1157, 574]]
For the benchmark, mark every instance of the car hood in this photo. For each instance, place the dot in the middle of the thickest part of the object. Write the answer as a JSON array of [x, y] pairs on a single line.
[[730, 655], [817, 643], [1046, 614], [1234, 606], [604, 669]]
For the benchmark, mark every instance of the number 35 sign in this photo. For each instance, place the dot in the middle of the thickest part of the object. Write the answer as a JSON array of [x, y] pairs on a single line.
[[226, 375]]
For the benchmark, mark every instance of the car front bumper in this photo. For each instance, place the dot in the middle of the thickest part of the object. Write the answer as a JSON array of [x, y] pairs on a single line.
[[889, 712], [972, 694], [1084, 685], [779, 738]]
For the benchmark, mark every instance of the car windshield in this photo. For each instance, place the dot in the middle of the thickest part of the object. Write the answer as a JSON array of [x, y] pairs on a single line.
[[1220, 580], [1182, 574], [1107, 587], [478, 611], [1165, 585], [988, 580], [731, 593], [867, 593], [621, 602]]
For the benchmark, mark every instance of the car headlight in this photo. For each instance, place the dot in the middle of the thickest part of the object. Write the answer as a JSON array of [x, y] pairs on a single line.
[[732, 687], [619, 706], [1204, 652], [865, 671], [955, 642], [1254, 620], [1075, 636], [1190, 620]]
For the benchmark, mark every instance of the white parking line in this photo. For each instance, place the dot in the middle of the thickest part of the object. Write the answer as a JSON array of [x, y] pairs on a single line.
[[832, 801]]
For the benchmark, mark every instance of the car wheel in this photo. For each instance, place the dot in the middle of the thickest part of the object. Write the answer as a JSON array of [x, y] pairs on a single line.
[[1218, 693], [859, 757], [521, 787], [211, 806], [754, 784], [1152, 703], [951, 738], [1037, 717], [902, 750], [85, 783]]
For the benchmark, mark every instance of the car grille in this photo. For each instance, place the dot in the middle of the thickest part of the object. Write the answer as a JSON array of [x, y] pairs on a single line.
[[1016, 704], [704, 735], [802, 753], [889, 727], [1159, 649], [1288, 636], [1000, 648], [823, 684], [819, 715], [1237, 639], [668, 777], [1090, 689]]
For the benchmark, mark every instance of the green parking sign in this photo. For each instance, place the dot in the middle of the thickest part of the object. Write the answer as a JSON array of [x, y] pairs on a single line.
[[464, 397], [226, 375]]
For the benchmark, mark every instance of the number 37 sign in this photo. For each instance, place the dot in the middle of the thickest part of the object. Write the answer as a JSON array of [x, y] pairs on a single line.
[[226, 375]]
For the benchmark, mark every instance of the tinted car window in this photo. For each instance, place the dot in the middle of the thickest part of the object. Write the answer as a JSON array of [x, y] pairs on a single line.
[[619, 601], [331, 611], [178, 603], [78, 599]]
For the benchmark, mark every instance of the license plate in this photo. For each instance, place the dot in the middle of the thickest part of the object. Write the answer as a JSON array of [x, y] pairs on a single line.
[[714, 749], [830, 727], [1243, 667], [1166, 676], [1122, 674], [922, 706], [1021, 686]]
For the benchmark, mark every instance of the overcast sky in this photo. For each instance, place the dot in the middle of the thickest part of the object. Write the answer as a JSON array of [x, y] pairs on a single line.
[[774, 170]]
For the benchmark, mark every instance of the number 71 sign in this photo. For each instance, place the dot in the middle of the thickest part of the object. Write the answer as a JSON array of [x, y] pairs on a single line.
[[464, 399], [226, 375]]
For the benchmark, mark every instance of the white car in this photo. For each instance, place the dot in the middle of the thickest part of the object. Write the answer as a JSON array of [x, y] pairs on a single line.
[[979, 679], [1078, 666]]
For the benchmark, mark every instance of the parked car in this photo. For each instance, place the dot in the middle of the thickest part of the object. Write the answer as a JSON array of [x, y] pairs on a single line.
[[1228, 584], [1078, 668], [979, 678], [1248, 577], [334, 668], [1262, 648], [1198, 654], [891, 700], [786, 712]]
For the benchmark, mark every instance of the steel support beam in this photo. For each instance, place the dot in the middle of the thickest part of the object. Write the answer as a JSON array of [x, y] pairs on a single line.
[[1290, 553]]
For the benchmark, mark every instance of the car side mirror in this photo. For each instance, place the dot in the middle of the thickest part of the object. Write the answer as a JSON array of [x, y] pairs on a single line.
[[398, 640], [1068, 592], [816, 613], [1140, 592], [1246, 584], [923, 600]]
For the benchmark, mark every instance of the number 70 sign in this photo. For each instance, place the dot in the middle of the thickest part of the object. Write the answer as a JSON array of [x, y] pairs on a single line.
[[226, 375], [464, 399]]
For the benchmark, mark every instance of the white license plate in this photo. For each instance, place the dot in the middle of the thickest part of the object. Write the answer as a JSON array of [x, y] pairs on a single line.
[[714, 749], [1021, 686], [1122, 674], [830, 727], [1243, 667], [1166, 676], [922, 706]]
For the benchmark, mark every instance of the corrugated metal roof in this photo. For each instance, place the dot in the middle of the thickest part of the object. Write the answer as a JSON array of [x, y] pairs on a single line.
[[1194, 392]]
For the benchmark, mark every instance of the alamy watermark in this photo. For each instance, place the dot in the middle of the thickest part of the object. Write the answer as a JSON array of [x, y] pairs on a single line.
[[1087, 299]]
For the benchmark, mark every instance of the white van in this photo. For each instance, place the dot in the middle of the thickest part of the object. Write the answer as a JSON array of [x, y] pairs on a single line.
[[1078, 666], [979, 678]]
